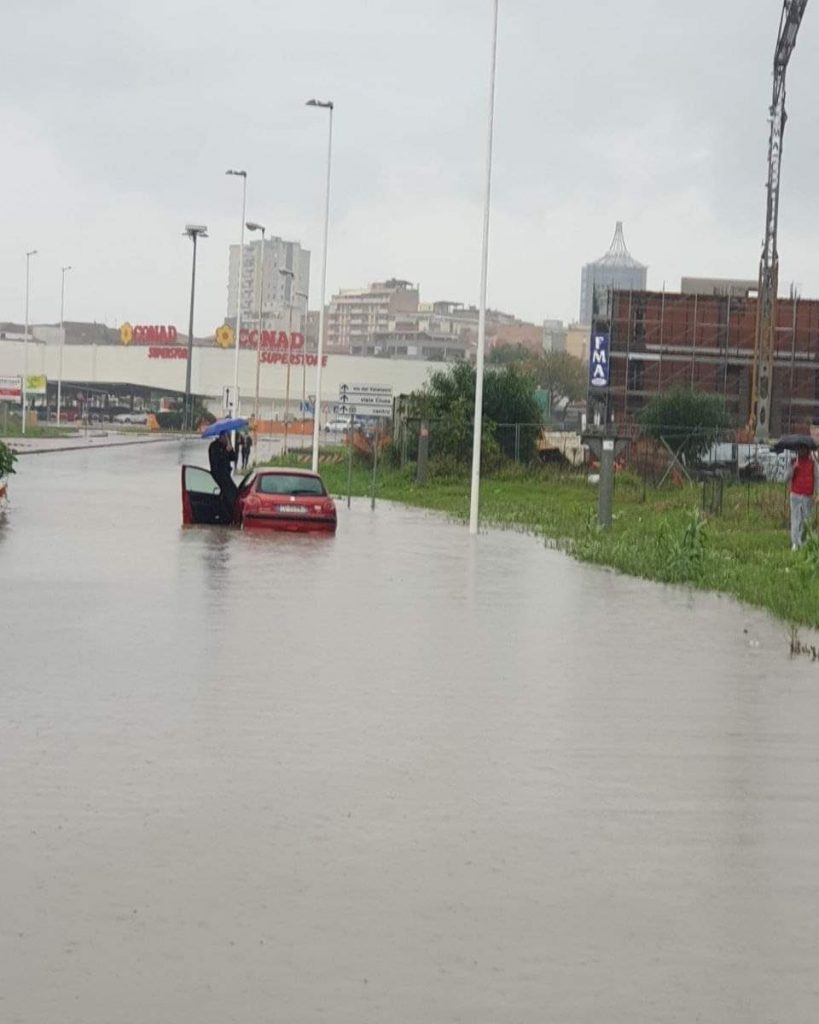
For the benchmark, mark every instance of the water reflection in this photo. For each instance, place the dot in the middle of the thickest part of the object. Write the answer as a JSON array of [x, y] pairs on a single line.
[[395, 774]]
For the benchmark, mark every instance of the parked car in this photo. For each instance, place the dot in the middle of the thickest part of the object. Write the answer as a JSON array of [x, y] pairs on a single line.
[[272, 499], [131, 417], [337, 425]]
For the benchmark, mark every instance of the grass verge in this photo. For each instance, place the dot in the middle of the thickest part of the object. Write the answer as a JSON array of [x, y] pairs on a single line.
[[659, 535]]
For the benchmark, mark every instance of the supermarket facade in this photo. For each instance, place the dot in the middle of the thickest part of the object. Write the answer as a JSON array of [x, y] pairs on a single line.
[[150, 366]]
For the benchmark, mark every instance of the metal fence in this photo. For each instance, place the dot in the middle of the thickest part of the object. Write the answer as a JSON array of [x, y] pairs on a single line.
[[658, 461]]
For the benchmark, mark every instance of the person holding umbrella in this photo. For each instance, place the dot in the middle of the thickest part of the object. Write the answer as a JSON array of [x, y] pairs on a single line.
[[220, 456], [804, 483]]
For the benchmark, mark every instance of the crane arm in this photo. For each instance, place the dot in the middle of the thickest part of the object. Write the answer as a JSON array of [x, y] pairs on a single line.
[[792, 12]]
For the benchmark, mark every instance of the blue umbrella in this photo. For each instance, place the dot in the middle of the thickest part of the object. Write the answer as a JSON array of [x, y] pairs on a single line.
[[224, 427]]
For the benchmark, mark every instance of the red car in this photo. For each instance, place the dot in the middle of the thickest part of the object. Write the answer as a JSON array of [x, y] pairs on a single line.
[[268, 499]]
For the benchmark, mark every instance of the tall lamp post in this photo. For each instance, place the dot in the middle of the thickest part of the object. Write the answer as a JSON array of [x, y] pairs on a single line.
[[194, 232], [62, 344], [29, 254], [234, 405], [288, 275], [251, 225], [324, 105], [303, 295], [474, 498]]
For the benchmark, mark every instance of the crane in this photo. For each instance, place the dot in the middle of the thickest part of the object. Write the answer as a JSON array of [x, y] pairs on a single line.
[[764, 340]]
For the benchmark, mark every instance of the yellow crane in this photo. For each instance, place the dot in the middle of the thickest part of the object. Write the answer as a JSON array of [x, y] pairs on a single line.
[[764, 341]]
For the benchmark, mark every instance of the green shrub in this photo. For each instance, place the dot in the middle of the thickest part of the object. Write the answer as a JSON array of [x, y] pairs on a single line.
[[688, 421], [7, 460]]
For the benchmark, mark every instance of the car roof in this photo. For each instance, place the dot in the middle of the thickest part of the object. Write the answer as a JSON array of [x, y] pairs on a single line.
[[281, 470]]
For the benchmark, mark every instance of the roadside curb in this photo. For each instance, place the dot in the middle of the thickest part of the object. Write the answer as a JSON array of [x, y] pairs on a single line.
[[90, 447]]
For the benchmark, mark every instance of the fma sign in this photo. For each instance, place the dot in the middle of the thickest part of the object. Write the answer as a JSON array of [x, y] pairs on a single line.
[[599, 361]]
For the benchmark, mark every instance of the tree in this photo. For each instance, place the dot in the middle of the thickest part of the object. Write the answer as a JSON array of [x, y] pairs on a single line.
[[688, 421], [448, 402], [561, 374], [503, 355], [7, 460]]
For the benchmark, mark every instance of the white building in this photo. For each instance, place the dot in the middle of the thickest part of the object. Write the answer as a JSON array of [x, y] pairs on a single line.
[[355, 315], [282, 292], [97, 366], [554, 336]]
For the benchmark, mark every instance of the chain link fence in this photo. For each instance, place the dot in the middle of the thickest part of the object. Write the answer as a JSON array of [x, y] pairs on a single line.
[[666, 456]]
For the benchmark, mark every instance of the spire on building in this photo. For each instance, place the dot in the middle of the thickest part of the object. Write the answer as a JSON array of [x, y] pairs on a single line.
[[618, 254]]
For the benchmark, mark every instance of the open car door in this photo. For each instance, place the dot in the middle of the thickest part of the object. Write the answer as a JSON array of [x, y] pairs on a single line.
[[202, 499]]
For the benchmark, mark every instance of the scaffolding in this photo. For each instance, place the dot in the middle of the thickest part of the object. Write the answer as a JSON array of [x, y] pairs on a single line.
[[661, 339]]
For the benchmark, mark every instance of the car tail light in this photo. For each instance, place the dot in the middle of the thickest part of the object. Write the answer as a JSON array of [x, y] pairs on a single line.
[[326, 508]]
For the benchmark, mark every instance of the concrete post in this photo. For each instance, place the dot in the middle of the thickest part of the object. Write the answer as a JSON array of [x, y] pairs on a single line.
[[423, 454], [606, 484]]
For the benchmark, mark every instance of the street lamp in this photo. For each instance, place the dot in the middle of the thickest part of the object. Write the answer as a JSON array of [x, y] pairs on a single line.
[[62, 344], [303, 295], [194, 232], [251, 225], [288, 274], [476, 433], [234, 405], [29, 254], [324, 105]]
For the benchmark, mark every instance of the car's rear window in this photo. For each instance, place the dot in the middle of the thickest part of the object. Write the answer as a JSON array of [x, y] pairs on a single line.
[[286, 483]]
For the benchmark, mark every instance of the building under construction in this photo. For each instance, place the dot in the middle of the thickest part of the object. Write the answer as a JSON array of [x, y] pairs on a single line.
[[659, 340]]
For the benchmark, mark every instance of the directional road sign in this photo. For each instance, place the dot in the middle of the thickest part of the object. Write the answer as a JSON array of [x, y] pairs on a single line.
[[366, 399]]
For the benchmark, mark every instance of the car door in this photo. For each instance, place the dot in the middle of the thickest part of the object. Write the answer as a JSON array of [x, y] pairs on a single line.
[[201, 498]]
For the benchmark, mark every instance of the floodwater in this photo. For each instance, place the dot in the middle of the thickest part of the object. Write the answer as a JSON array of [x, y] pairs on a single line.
[[398, 775]]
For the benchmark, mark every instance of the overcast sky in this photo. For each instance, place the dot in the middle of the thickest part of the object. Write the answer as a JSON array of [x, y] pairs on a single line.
[[119, 120]]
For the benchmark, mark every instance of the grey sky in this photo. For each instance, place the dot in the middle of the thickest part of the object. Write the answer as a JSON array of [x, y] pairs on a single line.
[[119, 121]]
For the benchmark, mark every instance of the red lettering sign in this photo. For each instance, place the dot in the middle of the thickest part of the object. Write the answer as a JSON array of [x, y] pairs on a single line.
[[155, 334], [296, 358], [167, 352], [249, 338]]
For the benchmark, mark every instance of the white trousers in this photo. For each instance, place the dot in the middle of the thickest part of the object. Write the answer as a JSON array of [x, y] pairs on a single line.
[[801, 508]]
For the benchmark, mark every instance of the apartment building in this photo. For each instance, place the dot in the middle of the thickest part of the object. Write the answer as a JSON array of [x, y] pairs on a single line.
[[286, 272], [355, 315]]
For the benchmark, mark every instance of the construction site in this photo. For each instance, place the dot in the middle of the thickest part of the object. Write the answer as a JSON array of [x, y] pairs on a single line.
[[757, 350], [708, 342]]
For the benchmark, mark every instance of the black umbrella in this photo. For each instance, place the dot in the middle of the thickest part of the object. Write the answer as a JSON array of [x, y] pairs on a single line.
[[790, 442]]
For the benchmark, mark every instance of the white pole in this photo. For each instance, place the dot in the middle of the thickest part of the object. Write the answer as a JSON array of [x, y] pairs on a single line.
[[320, 352], [62, 346], [25, 339], [474, 499], [259, 332], [234, 406], [303, 319]]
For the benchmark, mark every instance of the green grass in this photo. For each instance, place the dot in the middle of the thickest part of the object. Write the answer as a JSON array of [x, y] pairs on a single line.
[[745, 552], [14, 431]]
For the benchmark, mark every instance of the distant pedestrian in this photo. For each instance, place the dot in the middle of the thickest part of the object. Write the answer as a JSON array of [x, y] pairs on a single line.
[[247, 444], [804, 487]]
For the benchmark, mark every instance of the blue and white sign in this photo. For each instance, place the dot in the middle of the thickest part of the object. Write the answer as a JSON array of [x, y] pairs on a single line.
[[599, 361]]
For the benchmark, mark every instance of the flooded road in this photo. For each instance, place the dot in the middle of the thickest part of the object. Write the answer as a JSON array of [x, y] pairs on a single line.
[[392, 776]]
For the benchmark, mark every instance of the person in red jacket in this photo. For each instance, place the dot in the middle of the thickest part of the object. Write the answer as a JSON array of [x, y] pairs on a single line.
[[804, 487]]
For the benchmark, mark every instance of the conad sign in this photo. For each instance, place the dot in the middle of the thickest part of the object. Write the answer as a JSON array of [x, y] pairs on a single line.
[[147, 334], [270, 339]]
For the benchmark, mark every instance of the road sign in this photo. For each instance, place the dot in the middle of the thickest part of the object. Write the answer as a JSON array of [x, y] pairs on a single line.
[[11, 389], [228, 399], [368, 399]]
